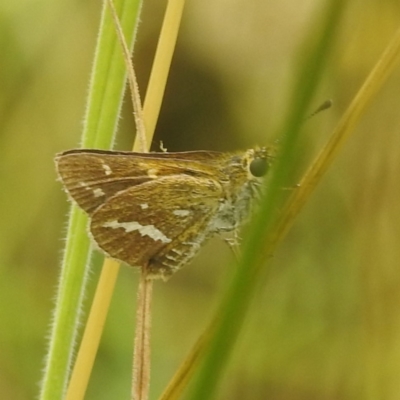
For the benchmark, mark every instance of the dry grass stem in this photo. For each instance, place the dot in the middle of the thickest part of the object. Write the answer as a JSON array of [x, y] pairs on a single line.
[[141, 355], [133, 84]]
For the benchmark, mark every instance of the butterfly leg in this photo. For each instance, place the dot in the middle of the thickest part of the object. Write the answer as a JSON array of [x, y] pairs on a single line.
[[234, 243]]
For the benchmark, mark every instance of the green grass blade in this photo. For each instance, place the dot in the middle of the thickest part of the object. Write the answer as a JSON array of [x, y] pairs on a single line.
[[237, 299], [104, 102]]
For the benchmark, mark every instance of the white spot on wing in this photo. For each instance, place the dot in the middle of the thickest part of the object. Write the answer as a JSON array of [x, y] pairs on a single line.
[[181, 213], [152, 173], [177, 252], [98, 192], [145, 230], [144, 206], [107, 169]]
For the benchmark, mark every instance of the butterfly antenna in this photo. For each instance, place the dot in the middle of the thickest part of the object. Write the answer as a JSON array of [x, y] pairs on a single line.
[[324, 106]]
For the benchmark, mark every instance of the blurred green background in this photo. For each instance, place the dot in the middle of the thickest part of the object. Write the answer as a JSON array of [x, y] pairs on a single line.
[[326, 323]]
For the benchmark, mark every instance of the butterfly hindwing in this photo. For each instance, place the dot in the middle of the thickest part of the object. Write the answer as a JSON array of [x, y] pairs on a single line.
[[160, 223]]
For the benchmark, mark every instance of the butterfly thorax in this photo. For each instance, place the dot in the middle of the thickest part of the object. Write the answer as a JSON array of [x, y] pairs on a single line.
[[240, 188]]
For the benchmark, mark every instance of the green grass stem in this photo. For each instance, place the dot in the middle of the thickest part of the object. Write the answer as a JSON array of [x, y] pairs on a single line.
[[106, 91]]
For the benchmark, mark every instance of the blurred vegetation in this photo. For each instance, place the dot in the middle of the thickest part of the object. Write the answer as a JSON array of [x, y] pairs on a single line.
[[326, 325]]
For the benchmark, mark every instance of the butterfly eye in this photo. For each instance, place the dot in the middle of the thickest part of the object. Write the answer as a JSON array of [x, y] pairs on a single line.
[[258, 167]]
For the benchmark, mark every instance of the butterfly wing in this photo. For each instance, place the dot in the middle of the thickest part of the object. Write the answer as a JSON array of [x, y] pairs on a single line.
[[159, 224], [91, 177]]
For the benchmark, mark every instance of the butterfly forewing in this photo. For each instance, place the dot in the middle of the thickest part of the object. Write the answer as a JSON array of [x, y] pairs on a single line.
[[93, 176], [157, 223]]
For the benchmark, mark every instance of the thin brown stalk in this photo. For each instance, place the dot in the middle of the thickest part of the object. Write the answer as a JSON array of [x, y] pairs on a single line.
[[133, 84], [141, 352], [151, 109], [141, 349]]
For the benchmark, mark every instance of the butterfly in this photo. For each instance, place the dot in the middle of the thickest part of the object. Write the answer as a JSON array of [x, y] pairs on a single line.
[[156, 210]]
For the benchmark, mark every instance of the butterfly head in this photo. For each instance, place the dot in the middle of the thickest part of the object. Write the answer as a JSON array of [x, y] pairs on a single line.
[[257, 162]]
